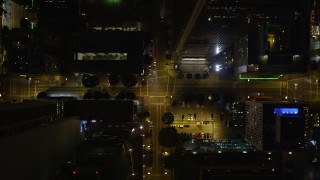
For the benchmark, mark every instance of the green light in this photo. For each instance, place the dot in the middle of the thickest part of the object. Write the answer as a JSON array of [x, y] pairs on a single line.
[[272, 78], [113, 1]]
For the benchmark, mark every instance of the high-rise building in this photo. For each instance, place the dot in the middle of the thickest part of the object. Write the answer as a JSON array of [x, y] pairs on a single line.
[[277, 125]]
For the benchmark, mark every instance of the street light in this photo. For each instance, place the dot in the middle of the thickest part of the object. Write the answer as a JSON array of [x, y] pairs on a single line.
[[317, 85]]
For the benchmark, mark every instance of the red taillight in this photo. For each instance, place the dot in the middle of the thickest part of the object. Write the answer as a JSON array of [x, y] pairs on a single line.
[[97, 172], [74, 172]]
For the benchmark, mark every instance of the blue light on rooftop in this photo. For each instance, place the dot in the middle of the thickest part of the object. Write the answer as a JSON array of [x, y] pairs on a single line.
[[285, 110]]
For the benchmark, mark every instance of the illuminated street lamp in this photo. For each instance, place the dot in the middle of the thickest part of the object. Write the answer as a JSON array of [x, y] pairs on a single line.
[[317, 82]]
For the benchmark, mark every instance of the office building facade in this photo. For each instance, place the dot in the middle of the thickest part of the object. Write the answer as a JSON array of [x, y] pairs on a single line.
[[277, 125]]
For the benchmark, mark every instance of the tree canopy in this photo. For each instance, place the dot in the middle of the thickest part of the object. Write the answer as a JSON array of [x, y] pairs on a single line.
[[124, 94], [167, 118], [168, 137], [96, 94], [90, 80], [197, 76], [114, 79], [42, 95], [189, 76], [129, 80]]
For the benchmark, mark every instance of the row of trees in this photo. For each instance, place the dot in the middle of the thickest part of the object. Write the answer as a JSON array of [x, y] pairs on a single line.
[[190, 76], [128, 80], [96, 94], [168, 137]]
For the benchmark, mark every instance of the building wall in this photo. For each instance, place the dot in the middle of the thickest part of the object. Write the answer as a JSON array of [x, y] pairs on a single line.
[[106, 110], [260, 126], [282, 45], [130, 43], [16, 118], [40, 152], [14, 13], [254, 124]]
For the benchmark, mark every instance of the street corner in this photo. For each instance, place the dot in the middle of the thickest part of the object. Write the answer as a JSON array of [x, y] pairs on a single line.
[[172, 73], [170, 69]]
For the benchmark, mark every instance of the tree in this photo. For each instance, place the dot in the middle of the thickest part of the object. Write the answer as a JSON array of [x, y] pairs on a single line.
[[113, 79], [189, 76], [86, 80], [180, 75], [167, 118], [97, 95], [88, 95], [90, 81], [106, 95], [140, 115], [121, 95], [130, 95], [197, 76], [129, 80], [146, 114], [205, 76], [126, 95], [168, 137], [42, 95], [143, 115], [95, 80]]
